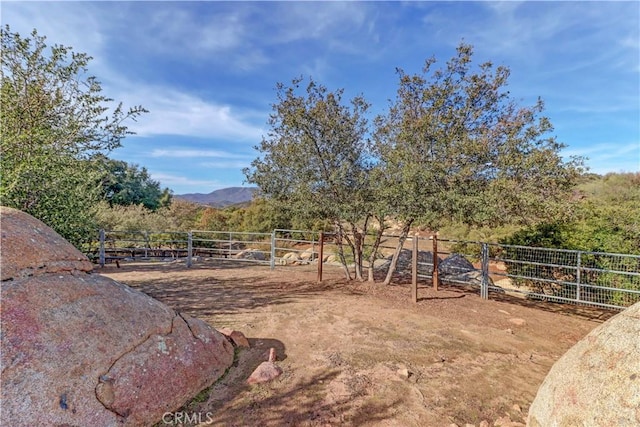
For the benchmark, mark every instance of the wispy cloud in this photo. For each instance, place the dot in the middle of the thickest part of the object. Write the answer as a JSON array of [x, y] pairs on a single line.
[[189, 153], [177, 113], [606, 151], [183, 181], [605, 158], [229, 164]]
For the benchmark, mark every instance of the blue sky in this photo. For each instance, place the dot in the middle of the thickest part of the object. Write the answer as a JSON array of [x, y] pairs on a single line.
[[207, 71]]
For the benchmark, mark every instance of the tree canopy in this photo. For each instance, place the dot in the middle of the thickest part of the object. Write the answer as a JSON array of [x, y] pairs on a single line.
[[129, 184], [316, 159], [54, 120], [452, 145]]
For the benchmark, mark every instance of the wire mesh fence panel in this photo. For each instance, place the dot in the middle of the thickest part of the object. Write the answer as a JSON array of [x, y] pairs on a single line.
[[601, 279]]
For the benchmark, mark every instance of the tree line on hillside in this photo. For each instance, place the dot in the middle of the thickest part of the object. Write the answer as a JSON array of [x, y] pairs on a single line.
[[453, 152], [605, 218]]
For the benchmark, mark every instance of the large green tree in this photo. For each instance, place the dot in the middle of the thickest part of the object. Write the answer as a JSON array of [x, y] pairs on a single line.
[[316, 161], [455, 145], [54, 120], [129, 184]]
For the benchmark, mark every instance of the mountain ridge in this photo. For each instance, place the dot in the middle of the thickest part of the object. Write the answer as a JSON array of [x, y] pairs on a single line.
[[222, 197]]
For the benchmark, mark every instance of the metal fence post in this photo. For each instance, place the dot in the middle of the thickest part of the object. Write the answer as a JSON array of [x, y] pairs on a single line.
[[484, 284], [273, 250], [189, 247], [414, 269], [434, 275], [320, 256], [578, 275], [101, 250]]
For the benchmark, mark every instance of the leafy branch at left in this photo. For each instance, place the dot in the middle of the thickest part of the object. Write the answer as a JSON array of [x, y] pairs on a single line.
[[56, 123]]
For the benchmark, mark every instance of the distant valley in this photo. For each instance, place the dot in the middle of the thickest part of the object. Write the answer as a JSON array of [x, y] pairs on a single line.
[[221, 198]]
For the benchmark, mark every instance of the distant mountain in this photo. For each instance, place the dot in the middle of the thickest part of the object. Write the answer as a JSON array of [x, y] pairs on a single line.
[[221, 198]]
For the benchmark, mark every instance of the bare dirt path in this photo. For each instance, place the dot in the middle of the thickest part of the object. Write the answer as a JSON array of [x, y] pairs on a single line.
[[364, 355]]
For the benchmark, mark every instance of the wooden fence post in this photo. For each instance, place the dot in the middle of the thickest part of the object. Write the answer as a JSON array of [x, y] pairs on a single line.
[[434, 276], [414, 270], [320, 256]]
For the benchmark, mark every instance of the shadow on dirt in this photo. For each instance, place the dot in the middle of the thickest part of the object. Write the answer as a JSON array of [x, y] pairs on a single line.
[[304, 404], [581, 311], [207, 296]]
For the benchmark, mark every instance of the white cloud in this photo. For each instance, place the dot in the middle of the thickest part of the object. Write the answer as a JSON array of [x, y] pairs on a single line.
[[604, 151], [178, 31], [182, 181], [176, 113], [229, 164], [188, 153], [605, 158]]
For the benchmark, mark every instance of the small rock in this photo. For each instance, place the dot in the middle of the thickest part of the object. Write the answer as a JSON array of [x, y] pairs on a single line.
[[237, 338], [517, 321], [483, 423], [404, 373], [509, 331], [517, 408], [265, 372], [506, 421]]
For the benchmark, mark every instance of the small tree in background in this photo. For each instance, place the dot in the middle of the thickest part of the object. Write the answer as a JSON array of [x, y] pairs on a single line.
[[454, 145], [54, 119]]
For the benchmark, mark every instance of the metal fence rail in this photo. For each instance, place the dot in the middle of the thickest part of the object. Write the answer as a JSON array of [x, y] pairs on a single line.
[[242, 246], [593, 278]]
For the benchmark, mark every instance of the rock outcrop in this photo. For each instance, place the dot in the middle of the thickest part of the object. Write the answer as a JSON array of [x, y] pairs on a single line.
[[597, 382], [403, 267], [80, 349]]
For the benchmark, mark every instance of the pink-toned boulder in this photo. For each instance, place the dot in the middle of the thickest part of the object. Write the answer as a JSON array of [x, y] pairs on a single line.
[[266, 371], [83, 350], [237, 338], [597, 382]]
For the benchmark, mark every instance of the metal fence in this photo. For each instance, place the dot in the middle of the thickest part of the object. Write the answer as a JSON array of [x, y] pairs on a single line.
[[559, 275]]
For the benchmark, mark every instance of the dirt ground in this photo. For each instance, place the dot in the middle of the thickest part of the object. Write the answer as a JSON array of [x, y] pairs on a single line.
[[359, 354]]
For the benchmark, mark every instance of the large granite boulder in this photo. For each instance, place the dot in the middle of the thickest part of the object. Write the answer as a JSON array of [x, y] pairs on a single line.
[[405, 258], [457, 269], [79, 349], [454, 265], [597, 382]]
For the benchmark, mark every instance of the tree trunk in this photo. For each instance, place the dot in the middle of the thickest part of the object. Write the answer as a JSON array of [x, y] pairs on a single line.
[[396, 254], [374, 250], [357, 247], [339, 237]]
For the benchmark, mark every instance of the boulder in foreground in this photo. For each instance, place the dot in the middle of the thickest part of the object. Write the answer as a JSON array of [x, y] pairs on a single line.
[[81, 349], [597, 382]]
